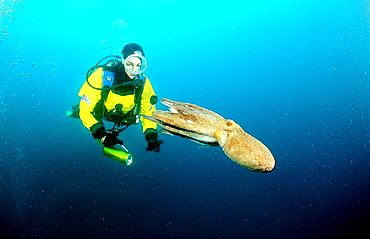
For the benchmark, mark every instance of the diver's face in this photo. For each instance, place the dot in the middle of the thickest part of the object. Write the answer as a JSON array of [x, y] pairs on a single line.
[[133, 64]]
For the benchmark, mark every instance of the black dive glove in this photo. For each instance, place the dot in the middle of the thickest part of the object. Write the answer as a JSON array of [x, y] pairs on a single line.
[[108, 138], [152, 137]]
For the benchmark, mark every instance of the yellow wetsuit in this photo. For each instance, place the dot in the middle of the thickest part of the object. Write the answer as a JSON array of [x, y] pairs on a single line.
[[90, 97]]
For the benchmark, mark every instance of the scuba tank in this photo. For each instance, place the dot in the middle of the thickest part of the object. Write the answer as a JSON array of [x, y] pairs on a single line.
[[118, 154]]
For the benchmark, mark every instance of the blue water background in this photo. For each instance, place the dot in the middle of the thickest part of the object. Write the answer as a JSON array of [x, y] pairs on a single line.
[[294, 74]]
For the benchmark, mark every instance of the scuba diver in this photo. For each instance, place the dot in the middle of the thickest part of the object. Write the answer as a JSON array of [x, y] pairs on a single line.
[[117, 91]]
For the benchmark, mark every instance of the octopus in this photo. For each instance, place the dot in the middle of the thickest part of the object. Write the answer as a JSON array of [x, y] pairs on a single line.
[[209, 128]]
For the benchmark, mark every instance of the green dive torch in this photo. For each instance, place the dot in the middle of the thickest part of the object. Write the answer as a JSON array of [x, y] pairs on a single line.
[[118, 154]]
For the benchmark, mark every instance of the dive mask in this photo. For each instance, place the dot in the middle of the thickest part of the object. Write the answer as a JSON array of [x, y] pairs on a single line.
[[129, 63]]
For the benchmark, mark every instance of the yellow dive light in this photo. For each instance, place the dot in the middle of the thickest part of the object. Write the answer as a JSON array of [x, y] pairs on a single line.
[[118, 154]]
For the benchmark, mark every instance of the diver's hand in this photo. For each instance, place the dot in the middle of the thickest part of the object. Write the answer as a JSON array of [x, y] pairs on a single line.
[[107, 138], [110, 139], [153, 143]]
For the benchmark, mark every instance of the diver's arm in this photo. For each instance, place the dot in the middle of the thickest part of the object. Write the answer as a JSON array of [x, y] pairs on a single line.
[[146, 107], [149, 127], [89, 98]]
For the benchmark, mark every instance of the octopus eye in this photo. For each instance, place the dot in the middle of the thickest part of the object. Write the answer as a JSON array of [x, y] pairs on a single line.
[[229, 123]]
